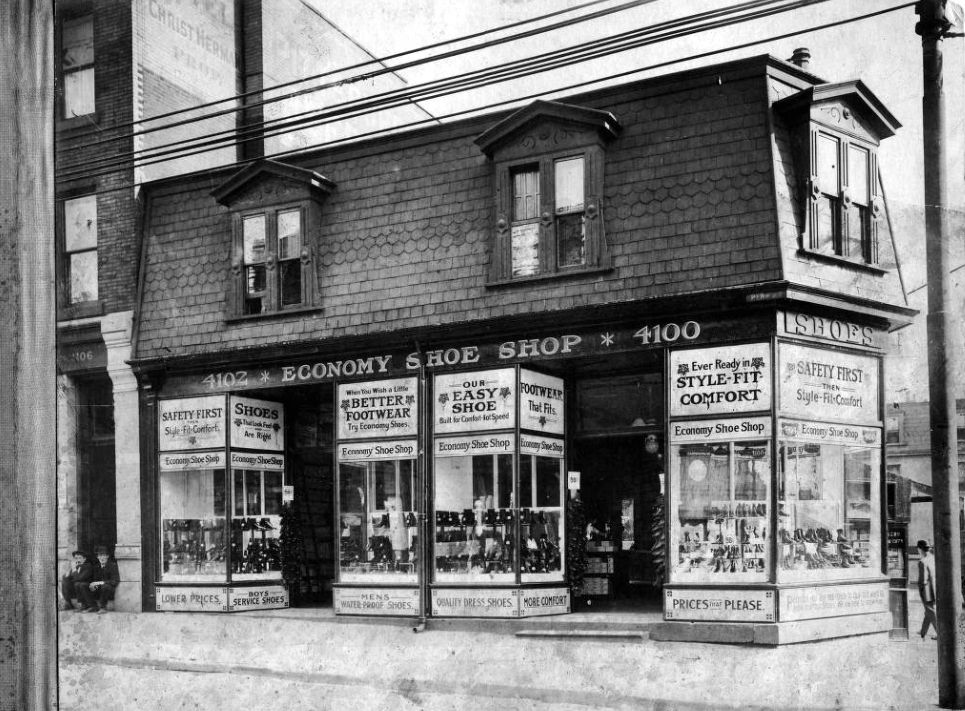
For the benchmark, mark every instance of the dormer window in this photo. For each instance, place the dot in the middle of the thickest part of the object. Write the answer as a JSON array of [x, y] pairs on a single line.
[[548, 186], [275, 212], [840, 125]]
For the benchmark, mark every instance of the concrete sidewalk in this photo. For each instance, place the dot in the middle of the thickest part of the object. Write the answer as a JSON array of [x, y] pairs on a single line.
[[306, 659]]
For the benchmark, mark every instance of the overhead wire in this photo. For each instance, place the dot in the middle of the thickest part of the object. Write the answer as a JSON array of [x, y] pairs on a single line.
[[517, 99], [379, 60], [455, 84], [475, 79]]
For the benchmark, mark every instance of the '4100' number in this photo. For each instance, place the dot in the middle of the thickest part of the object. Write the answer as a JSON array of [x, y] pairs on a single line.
[[227, 379], [668, 333]]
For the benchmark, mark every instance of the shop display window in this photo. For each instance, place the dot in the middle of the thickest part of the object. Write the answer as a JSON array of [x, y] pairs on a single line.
[[719, 532], [829, 516], [474, 519], [378, 540], [540, 518], [256, 524], [192, 506]]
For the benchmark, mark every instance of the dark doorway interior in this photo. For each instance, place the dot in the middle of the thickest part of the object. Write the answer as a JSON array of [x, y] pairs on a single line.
[[97, 503], [619, 485]]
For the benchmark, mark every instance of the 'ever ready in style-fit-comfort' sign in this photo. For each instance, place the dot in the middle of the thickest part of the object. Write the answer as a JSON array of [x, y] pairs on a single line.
[[723, 380]]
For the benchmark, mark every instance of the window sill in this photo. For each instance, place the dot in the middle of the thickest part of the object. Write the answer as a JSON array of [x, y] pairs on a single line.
[[843, 261], [83, 309], [552, 276], [274, 314], [75, 123]]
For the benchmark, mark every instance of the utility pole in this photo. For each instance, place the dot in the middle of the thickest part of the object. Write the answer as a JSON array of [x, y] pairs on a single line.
[[932, 27], [28, 617]]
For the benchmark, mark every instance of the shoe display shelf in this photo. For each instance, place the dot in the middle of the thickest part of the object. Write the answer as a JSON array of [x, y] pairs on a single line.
[[598, 574]]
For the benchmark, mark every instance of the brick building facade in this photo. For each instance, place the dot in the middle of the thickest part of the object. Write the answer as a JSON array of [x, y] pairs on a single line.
[[427, 341]]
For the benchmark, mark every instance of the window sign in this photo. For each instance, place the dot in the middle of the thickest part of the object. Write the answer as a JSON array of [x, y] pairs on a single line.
[[465, 446], [541, 402], [380, 408], [828, 385], [189, 461], [366, 451], [253, 460], [541, 446], [257, 424], [481, 400], [191, 423], [724, 380]]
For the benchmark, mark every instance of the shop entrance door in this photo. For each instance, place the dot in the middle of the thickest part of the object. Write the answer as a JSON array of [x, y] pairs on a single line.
[[619, 485]]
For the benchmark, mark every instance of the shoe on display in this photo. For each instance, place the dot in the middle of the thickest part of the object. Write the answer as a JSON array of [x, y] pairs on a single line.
[[102, 611]]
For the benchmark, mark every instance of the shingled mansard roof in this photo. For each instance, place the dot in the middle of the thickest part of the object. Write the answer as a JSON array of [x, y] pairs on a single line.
[[702, 199]]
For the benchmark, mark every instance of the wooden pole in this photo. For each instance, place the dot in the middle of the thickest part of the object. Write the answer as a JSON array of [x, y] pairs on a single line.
[[942, 357], [28, 620]]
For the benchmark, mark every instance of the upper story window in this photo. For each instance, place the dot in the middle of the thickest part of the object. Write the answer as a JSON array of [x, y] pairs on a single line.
[[275, 216], [80, 249], [272, 261], [842, 191], [77, 66], [548, 178], [836, 129]]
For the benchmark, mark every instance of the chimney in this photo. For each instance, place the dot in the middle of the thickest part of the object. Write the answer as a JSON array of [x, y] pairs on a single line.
[[801, 57]]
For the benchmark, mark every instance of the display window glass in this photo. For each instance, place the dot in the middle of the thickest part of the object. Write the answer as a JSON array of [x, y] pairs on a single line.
[[193, 508], [720, 491], [474, 514], [542, 549], [829, 515], [378, 540], [256, 524]]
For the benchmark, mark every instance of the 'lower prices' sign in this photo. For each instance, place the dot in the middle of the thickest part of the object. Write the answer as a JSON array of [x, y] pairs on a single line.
[[720, 605]]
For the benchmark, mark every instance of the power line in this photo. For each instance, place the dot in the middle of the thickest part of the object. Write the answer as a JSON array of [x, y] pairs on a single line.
[[380, 60], [449, 85], [535, 95]]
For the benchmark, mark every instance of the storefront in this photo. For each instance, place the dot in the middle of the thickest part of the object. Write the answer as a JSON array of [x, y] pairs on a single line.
[[452, 468]]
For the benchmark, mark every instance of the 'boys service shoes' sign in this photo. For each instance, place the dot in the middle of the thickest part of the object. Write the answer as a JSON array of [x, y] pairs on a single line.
[[724, 380]]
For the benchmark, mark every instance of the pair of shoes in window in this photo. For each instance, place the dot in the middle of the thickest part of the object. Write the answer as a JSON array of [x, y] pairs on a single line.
[[89, 609], [102, 611]]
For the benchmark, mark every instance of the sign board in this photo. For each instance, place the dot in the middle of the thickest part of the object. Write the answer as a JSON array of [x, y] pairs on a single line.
[[897, 550], [720, 430], [191, 599], [376, 601], [572, 480], [469, 446], [257, 424], [75, 357], [191, 423], [257, 597], [830, 329], [544, 601], [461, 602], [541, 446], [830, 433], [725, 605], [822, 384], [253, 460], [287, 494], [471, 402], [370, 451], [723, 380], [378, 408], [541, 402], [832, 601], [185, 461]]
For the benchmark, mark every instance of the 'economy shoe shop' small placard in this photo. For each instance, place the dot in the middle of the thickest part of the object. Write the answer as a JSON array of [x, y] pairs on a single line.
[[257, 597]]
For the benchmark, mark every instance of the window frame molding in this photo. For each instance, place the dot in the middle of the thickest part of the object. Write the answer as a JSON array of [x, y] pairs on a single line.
[[270, 188], [540, 135], [62, 120]]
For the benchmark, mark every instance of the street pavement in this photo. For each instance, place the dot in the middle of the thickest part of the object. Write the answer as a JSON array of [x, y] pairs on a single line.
[[306, 659]]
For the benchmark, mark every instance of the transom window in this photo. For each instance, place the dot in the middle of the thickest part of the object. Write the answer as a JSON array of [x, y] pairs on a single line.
[[77, 66]]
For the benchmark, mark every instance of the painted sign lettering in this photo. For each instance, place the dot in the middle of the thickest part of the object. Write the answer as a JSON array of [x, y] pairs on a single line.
[[829, 329], [469, 402], [817, 383], [257, 424], [541, 401], [728, 379], [191, 423], [377, 408]]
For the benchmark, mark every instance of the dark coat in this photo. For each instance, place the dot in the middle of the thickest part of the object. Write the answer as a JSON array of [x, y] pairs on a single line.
[[107, 573], [84, 574]]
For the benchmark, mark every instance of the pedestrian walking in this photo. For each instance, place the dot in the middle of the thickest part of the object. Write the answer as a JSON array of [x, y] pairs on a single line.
[[926, 587]]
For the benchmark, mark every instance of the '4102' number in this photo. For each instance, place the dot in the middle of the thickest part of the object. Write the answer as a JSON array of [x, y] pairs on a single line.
[[227, 379]]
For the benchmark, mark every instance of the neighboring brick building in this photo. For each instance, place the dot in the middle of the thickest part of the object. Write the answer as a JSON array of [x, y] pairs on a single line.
[[687, 278]]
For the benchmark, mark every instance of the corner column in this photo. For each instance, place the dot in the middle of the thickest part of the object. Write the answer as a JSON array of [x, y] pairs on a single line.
[[116, 329]]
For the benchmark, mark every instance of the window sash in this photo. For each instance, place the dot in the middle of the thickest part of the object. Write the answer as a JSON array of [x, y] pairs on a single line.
[[80, 223], [569, 186], [82, 269], [526, 194]]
